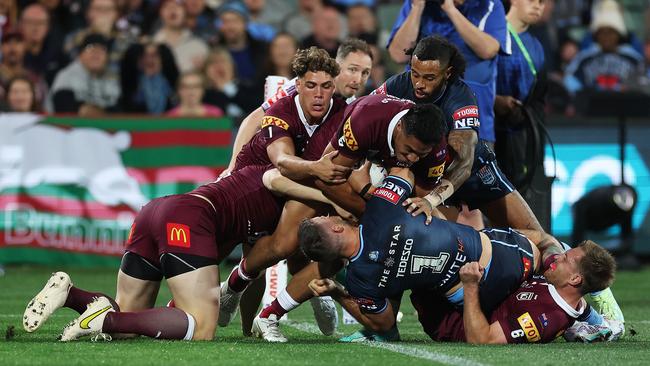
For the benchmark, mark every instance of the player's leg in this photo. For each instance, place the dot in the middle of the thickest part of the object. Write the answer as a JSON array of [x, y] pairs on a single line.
[[251, 298]]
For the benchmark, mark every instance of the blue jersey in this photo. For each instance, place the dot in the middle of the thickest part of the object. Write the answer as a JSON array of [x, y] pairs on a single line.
[[456, 100], [488, 16], [514, 76], [399, 252]]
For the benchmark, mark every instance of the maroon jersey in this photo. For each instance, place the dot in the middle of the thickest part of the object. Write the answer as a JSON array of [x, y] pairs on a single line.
[[246, 210], [285, 118], [368, 131], [535, 313]]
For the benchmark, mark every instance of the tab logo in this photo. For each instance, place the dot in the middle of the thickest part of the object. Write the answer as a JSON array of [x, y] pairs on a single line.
[[436, 264], [178, 235], [529, 328]]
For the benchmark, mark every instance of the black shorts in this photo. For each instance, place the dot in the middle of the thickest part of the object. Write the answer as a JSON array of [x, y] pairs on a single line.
[[485, 184], [512, 263]]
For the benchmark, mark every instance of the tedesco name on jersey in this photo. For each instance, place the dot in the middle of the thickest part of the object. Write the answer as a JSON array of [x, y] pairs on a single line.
[[390, 192], [466, 117]]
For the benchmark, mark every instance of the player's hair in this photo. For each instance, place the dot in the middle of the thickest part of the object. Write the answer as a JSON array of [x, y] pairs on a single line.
[[314, 59], [426, 122], [316, 244], [597, 267], [351, 45], [439, 48]]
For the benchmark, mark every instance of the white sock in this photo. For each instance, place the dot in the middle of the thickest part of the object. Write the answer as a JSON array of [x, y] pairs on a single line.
[[286, 301], [191, 324]]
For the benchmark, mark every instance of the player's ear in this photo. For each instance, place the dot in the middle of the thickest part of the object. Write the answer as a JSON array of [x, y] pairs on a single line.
[[576, 280], [338, 228]]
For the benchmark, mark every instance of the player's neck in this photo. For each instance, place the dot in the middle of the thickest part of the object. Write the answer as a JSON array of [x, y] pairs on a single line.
[[355, 242], [570, 294], [517, 24]]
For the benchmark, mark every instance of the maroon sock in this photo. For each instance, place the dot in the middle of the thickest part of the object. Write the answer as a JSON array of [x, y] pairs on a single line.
[[238, 283], [79, 299], [274, 308], [163, 323]]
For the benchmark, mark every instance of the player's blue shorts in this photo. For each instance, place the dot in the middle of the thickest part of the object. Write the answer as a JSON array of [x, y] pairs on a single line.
[[486, 183], [512, 263]]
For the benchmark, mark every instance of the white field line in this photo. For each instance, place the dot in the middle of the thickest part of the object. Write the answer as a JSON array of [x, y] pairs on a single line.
[[397, 348]]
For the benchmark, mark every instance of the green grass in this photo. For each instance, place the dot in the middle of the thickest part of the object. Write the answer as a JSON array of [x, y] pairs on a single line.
[[231, 348]]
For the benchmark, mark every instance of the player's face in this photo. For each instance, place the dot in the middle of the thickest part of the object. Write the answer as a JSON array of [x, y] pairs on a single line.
[[408, 149], [315, 91], [427, 77], [355, 70], [530, 11], [565, 268]]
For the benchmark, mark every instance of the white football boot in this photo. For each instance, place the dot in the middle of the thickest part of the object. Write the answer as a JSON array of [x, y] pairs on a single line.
[[268, 329], [47, 301], [89, 323]]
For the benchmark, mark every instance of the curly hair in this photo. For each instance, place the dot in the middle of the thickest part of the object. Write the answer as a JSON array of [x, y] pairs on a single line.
[[314, 59], [439, 48]]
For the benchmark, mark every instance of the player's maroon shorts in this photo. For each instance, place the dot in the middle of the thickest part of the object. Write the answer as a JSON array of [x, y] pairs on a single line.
[[172, 231], [440, 319]]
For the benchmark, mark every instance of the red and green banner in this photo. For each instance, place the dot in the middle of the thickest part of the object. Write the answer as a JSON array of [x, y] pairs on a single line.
[[70, 187]]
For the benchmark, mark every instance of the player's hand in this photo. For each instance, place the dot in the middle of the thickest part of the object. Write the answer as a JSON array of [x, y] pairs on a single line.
[[471, 273], [226, 172], [322, 287], [418, 205], [359, 178], [325, 169]]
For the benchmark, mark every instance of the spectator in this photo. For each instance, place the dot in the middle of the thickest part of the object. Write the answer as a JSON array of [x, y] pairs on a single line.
[[281, 51], [8, 15], [102, 17], [44, 55], [189, 51], [361, 21], [257, 27], [299, 23], [521, 89], [476, 27], [12, 65], [646, 56], [237, 99], [200, 20], [21, 96], [267, 13], [148, 77], [84, 86], [326, 29], [190, 94], [136, 16], [249, 54], [608, 64]]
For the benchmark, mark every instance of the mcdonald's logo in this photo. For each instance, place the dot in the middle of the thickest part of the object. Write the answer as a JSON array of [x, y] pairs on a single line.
[[129, 239], [178, 235]]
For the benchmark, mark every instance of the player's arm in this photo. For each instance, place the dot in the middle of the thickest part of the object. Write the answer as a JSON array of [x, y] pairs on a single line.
[[342, 194], [281, 152], [281, 185], [547, 244], [379, 322], [248, 128], [477, 328], [463, 143], [484, 45]]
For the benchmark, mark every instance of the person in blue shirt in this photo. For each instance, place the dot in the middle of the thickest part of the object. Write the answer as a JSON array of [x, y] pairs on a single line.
[[521, 90], [477, 27]]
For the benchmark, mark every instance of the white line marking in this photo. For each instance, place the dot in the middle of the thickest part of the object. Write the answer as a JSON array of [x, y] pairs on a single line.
[[397, 348]]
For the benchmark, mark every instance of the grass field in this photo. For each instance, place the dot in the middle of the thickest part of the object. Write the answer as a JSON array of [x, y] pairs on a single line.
[[306, 347]]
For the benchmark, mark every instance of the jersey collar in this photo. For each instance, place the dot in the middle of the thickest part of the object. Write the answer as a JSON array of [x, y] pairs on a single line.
[[356, 256], [310, 128], [391, 128], [563, 304]]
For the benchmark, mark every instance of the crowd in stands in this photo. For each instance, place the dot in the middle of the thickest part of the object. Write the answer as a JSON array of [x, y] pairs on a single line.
[[210, 57]]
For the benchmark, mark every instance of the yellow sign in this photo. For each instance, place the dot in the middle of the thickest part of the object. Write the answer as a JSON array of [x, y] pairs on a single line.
[[350, 141], [274, 121], [529, 328], [436, 171]]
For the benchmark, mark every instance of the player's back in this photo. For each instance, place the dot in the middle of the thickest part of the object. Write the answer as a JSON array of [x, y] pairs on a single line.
[[245, 208], [400, 252]]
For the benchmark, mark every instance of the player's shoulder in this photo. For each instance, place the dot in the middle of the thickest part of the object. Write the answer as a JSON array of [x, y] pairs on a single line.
[[398, 85], [459, 92], [282, 113]]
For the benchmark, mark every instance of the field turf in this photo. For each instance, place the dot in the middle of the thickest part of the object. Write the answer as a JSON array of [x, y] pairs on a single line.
[[306, 346]]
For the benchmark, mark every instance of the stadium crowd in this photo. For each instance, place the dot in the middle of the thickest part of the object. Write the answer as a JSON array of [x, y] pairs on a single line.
[[108, 56]]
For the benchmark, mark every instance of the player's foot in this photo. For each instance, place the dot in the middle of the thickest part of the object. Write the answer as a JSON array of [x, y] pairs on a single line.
[[268, 329], [47, 301], [325, 313], [89, 323], [606, 305], [229, 303], [365, 335], [586, 333]]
